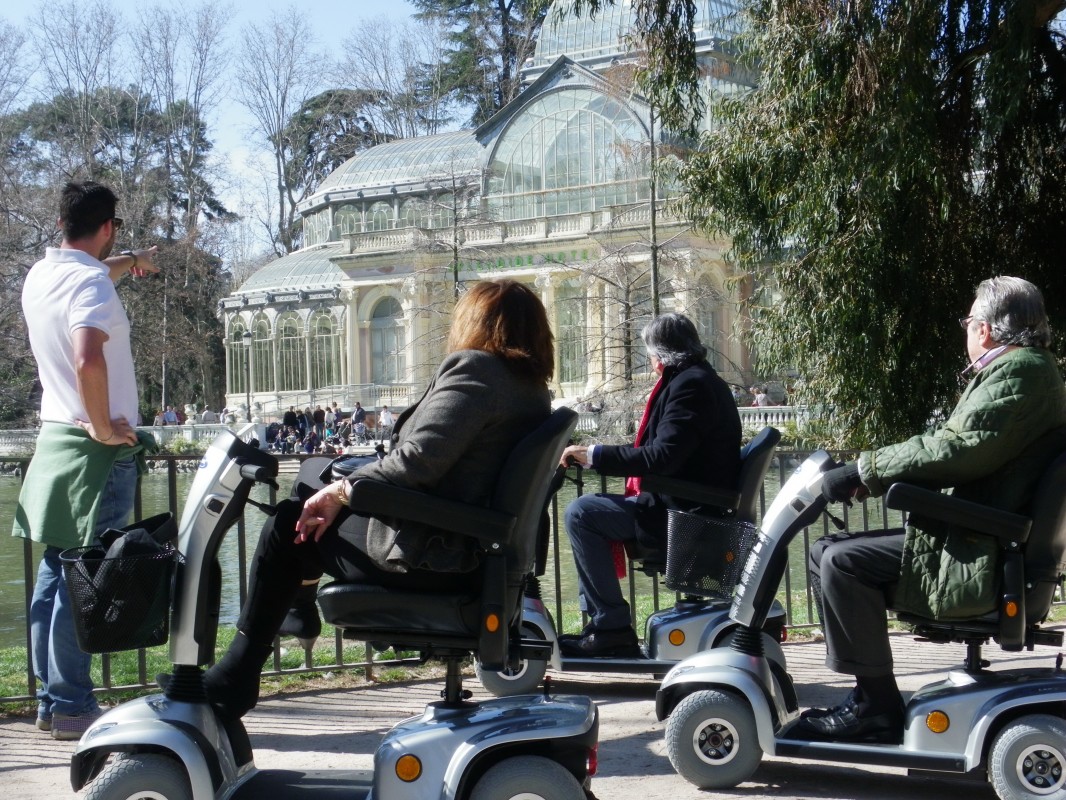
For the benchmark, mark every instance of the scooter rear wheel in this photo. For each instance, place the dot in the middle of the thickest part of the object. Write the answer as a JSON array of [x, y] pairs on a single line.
[[524, 679], [145, 776], [528, 778], [1028, 759], [712, 740]]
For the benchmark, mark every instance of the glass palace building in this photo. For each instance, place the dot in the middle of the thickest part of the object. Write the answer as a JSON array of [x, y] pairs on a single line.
[[555, 190]]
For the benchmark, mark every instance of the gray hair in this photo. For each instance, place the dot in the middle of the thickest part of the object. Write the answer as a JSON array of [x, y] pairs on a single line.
[[672, 338], [1014, 308]]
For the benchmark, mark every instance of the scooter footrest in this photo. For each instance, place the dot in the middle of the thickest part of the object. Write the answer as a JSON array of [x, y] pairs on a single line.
[[1047, 638], [535, 649]]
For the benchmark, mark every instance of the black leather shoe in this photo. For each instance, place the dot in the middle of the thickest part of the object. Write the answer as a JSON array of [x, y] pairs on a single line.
[[573, 637], [845, 724], [851, 701], [617, 643]]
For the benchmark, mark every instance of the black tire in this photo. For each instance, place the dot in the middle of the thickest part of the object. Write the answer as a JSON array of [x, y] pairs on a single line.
[[527, 778], [712, 740], [145, 776], [524, 679], [1028, 759]]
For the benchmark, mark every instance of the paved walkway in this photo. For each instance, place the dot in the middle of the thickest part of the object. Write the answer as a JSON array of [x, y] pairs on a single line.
[[321, 730]]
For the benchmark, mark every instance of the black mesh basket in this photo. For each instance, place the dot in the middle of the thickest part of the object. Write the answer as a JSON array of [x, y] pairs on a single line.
[[120, 603], [705, 555]]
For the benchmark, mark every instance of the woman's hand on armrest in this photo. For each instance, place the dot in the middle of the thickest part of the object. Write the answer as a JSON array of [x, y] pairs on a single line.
[[319, 512]]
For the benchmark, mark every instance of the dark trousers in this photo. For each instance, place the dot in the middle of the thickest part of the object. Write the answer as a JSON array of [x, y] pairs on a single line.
[[280, 566], [854, 578]]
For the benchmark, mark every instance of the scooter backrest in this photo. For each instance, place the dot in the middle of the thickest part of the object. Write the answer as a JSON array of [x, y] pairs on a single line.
[[522, 489], [755, 458], [1045, 552]]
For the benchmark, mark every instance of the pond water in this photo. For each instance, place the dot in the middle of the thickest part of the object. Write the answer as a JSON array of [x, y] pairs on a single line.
[[154, 501]]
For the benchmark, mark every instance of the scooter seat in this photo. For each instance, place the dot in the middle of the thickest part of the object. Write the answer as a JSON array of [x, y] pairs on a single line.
[[366, 610]]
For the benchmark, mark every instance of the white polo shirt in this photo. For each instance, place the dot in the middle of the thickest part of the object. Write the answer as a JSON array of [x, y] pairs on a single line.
[[66, 290]]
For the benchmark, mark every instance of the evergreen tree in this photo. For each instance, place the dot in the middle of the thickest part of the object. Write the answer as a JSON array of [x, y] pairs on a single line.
[[893, 155], [491, 40]]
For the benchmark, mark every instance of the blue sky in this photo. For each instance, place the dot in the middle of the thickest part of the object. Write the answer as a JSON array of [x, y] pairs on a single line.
[[331, 20]]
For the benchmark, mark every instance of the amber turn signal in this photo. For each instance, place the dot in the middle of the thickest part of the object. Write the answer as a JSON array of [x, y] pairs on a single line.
[[937, 721], [408, 768]]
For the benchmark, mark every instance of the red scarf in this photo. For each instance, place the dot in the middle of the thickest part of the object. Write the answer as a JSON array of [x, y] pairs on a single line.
[[618, 550]]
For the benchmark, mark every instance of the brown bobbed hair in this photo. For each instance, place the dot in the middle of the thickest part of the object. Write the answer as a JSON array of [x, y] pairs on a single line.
[[505, 318]]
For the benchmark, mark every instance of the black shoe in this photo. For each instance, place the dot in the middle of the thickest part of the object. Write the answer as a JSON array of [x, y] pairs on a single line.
[[616, 643], [847, 724], [852, 700], [573, 637], [303, 620]]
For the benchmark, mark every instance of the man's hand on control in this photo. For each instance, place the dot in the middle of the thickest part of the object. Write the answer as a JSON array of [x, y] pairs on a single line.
[[843, 483]]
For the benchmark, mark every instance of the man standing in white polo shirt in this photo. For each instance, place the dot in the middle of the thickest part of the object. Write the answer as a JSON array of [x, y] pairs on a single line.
[[83, 476]]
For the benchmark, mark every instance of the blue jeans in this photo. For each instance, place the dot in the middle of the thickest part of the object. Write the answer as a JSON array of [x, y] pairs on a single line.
[[64, 683], [593, 522]]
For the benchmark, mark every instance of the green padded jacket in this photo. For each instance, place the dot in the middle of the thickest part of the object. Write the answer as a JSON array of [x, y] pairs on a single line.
[[991, 450]]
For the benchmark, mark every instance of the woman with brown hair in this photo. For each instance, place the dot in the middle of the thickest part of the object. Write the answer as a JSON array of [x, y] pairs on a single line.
[[489, 392]]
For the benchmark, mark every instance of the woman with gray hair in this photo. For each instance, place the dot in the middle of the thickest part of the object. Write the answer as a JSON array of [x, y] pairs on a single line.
[[690, 430]]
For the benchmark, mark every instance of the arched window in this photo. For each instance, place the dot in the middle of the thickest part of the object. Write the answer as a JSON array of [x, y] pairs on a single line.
[[262, 355], [346, 219], [292, 354], [325, 350], [571, 334], [414, 214], [238, 359], [703, 312], [387, 342], [316, 228], [379, 217]]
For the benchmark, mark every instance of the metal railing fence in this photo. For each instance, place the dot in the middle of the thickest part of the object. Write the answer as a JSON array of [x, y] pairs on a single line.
[[645, 594]]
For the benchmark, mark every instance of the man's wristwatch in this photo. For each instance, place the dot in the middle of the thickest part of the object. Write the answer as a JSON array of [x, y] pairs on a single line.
[[132, 255]]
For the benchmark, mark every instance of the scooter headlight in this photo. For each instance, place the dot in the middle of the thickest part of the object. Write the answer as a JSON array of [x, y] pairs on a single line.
[[408, 768]]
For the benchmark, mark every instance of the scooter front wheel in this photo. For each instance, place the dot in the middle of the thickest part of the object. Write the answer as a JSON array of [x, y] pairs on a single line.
[[528, 778], [145, 776], [1028, 759], [712, 740]]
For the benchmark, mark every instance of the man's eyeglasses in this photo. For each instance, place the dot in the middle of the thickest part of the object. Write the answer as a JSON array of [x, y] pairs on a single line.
[[116, 222], [964, 322]]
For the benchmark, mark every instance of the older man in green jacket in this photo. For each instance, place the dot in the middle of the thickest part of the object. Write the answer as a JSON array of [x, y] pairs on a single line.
[[993, 449]]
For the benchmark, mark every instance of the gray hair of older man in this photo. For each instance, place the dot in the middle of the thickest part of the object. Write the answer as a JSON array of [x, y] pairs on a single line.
[[673, 339], [1014, 308]]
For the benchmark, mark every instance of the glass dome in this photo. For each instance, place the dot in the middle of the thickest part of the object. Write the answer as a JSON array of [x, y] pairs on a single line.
[[594, 38], [569, 151], [303, 270], [407, 161]]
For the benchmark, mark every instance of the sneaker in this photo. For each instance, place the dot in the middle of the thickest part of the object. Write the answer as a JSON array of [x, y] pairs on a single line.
[[68, 729], [44, 724]]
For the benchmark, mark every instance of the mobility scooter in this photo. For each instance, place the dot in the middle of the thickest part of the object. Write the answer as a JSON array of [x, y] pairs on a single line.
[[700, 618], [175, 746], [727, 707]]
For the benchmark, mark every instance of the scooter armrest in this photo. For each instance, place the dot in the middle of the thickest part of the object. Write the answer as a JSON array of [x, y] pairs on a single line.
[[1003, 525], [690, 490], [385, 499]]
